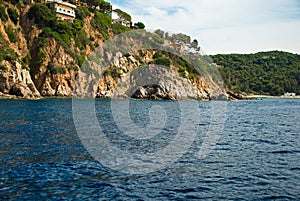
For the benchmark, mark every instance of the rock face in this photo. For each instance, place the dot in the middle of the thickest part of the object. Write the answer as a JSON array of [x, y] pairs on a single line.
[[233, 96], [53, 77], [160, 82], [152, 92], [152, 81], [221, 97], [36, 66], [17, 81]]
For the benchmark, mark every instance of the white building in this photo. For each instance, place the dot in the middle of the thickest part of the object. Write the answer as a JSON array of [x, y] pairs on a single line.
[[116, 18], [290, 94], [64, 10]]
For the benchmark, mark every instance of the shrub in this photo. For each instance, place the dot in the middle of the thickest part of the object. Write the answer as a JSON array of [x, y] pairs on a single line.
[[26, 61], [108, 71], [81, 40], [3, 67], [63, 27], [139, 59], [55, 69], [61, 38], [11, 55], [3, 15], [3, 42], [157, 39], [5, 52], [14, 2], [118, 28], [41, 14], [27, 58], [73, 67], [13, 15], [159, 54], [163, 61], [191, 76], [40, 58], [183, 74], [82, 12], [101, 22], [11, 33], [182, 71], [24, 66], [80, 59], [139, 25]]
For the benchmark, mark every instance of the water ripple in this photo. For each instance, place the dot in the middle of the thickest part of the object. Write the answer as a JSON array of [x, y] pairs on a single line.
[[256, 158]]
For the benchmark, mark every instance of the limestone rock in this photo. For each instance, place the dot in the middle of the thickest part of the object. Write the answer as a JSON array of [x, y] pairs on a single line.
[[21, 90], [152, 92], [17, 81], [221, 97]]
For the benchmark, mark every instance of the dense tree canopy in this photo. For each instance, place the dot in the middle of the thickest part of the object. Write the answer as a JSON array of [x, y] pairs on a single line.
[[272, 73]]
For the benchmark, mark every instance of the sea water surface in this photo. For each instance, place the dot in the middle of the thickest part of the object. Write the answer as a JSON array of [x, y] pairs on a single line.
[[257, 157]]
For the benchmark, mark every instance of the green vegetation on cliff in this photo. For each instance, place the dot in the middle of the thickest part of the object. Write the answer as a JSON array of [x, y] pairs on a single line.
[[3, 15], [272, 73], [63, 31], [6, 53]]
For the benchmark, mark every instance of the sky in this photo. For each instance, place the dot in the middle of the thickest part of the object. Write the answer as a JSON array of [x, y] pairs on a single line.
[[223, 26]]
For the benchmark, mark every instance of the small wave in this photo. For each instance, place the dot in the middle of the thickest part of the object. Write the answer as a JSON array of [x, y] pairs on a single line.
[[258, 141], [189, 190], [279, 197], [295, 168], [285, 152]]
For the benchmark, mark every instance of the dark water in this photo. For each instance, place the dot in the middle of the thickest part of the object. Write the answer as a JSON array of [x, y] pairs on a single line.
[[256, 158]]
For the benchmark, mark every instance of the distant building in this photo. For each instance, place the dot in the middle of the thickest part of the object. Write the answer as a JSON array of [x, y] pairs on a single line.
[[113, 15], [64, 10], [290, 94], [116, 18]]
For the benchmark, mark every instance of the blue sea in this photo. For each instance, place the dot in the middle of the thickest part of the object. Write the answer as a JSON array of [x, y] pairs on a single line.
[[239, 150]]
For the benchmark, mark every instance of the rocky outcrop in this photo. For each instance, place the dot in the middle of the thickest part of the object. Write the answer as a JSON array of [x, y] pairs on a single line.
[[152, 92], [48, 67], [233, 96], [17, 81], [149, 81], [221, 97], [55, 75]]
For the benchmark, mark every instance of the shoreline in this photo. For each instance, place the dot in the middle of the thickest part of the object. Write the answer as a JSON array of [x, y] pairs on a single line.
[[268, 96], [249, 97]]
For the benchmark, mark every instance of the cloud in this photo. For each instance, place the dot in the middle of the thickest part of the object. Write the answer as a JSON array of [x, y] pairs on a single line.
[[249, 39], [152, 11], [224, 26]]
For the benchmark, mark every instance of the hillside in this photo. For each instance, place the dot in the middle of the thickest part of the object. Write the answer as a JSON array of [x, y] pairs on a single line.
[[269, 73], [44, 45]]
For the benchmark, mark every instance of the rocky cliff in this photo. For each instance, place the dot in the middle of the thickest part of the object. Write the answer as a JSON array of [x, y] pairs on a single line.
[[42, 56], [143, 79]]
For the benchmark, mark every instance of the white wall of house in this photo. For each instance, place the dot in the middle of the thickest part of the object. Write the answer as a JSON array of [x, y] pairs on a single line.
[[114, 15]]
